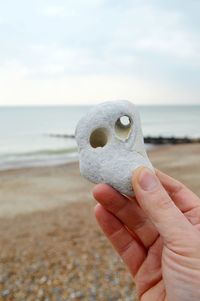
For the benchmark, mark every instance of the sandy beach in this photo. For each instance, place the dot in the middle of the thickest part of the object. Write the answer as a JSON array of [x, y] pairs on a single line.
[[51, 246]]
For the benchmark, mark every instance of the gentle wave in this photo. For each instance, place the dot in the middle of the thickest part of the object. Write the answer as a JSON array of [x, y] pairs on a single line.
[[39, 158]]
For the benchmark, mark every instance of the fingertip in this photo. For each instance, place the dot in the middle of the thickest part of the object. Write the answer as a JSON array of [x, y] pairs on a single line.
[[97, 190], [101, 191], [159, 173], [98, 210], [103, 217]]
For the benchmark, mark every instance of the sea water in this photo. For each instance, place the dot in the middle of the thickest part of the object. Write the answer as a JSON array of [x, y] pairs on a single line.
[[26, 132]]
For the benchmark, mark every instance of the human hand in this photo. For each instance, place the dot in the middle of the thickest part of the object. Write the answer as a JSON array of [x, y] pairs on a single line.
[[156, 234]]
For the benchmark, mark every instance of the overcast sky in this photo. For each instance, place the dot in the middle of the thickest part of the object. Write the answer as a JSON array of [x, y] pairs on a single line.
[[87, 51]]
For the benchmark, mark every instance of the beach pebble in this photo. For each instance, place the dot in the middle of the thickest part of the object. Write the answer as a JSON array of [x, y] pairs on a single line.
[[43, 280], [77, 295], [5, 293], [111, 145]]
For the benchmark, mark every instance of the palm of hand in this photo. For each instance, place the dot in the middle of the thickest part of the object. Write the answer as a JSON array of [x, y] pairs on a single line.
[[159, 267]]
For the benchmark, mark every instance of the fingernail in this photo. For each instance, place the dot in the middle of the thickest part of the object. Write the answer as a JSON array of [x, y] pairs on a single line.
[[147, 180]]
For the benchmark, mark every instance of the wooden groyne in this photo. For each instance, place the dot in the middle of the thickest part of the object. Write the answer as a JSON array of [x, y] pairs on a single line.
[[160, 140]]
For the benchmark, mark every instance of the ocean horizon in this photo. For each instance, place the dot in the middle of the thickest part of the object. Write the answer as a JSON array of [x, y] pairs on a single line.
[[29, 134]]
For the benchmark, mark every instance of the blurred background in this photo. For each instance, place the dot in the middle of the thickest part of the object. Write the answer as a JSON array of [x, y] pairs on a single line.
[[57, 60]]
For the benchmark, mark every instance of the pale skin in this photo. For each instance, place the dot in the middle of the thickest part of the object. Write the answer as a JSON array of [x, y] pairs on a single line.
[[157, 234]]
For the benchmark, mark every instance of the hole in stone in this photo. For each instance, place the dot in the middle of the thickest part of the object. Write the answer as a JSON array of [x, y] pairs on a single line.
[[123, 127], [99, 138]]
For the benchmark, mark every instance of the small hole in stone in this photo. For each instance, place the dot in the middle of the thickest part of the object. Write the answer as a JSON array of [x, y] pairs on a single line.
[[99, 138], [123, 127], [125, 121]]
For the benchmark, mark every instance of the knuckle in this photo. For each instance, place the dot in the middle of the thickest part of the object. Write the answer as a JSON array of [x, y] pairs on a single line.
[[177, 189], [114, 236], [157, 200], [115, 207], [119, 210], [122, 245], [164, 203], [123, 249], [193, 216]]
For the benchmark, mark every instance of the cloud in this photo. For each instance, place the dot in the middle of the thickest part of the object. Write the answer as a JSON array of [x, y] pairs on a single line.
[[54, 11], [57, 61], [15, 81], [58, 11], [70, 8], [157, 32], [134, 46]]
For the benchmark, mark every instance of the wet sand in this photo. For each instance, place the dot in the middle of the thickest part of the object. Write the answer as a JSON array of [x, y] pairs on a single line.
[[51, 246]]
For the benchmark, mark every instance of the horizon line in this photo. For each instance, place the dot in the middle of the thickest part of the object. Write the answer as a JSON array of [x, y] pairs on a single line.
[[90, 104]]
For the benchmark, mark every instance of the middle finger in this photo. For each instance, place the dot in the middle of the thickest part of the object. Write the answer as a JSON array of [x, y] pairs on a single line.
[[128, 212]]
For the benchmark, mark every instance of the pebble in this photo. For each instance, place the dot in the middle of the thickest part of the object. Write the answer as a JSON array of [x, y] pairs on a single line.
[[58, 270], [43, 280], [5, 293], [77, 294]]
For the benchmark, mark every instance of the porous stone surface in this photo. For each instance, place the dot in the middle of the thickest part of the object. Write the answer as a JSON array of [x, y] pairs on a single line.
[[114, 162]]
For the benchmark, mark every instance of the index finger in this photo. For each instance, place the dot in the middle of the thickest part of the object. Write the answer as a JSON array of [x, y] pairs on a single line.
[[183, 197]]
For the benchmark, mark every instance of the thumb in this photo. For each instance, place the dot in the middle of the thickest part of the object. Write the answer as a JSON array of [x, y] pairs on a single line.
[[155, 201]]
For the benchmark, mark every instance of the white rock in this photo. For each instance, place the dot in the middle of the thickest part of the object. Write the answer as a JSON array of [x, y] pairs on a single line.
[[111, 145]]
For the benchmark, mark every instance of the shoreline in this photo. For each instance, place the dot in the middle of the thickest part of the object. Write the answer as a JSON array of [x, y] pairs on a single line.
[[30, 189], [51, 160], [48, 157]]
